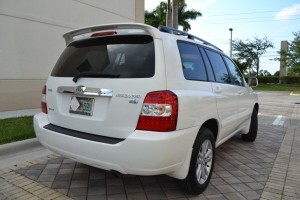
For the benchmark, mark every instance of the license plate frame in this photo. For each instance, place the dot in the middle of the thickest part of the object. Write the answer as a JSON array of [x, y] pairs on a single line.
[[86, 106]]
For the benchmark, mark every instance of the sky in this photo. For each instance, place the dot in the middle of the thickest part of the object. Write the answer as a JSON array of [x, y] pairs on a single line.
[[276, 19]]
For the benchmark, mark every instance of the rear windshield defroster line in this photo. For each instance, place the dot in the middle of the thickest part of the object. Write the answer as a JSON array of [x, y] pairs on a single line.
[[130, 56]]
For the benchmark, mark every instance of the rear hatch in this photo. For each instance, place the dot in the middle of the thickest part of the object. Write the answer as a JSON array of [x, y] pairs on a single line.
[[113, 74]]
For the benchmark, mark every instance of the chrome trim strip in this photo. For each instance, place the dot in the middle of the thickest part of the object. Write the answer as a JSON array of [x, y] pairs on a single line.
[[86, 91]]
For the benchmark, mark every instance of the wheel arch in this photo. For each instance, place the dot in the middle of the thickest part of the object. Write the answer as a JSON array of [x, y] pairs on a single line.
[[256, 106], [213, 125], [182, 172], [190, 183]]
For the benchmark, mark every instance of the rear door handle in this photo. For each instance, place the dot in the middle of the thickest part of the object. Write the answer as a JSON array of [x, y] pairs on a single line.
[[217, 91], [240, 92]]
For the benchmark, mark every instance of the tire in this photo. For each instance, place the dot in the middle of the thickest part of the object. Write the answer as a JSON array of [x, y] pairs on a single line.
[[205, 142], [251, 136]]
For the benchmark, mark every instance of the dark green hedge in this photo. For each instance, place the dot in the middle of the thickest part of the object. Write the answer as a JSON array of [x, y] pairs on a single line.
[[266, 79], [290, 79], [275, 79]]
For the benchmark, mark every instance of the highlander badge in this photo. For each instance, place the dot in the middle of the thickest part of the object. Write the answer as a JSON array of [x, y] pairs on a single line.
[[129, 95]]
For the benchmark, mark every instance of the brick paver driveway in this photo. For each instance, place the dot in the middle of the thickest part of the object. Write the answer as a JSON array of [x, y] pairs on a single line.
[[241, 171]]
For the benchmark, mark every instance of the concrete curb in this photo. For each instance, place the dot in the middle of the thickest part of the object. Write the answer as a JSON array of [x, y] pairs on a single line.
[[20, 147], [292, 94], [19, 113]]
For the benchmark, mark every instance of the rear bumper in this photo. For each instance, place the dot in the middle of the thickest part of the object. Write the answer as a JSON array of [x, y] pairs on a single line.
[[141, 153]]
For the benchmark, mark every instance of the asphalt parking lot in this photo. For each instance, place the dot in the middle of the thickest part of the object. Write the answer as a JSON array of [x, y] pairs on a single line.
[[265, 169], [279, 108]]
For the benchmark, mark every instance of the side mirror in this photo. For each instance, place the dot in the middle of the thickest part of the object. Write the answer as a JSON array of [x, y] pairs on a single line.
[[252, 82]]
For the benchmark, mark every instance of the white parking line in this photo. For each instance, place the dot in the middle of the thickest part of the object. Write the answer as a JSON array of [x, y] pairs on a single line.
[[258, 113], [277, 120], [281, 123]]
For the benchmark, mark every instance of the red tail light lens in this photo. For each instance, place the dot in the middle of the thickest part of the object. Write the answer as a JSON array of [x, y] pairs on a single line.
[[44, 102], [103, 33], [159, 112]]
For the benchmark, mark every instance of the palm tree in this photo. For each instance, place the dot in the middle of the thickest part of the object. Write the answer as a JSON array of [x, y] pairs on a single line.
[[169, 15], [157, 17], [185, 15], [175, 5]]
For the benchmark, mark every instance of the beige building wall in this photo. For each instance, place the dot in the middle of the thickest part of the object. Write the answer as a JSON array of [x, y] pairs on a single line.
[[31, 40]]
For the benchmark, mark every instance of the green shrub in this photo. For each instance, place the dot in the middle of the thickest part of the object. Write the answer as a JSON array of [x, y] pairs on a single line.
[[266, 79], [275, 79], [290, 79]]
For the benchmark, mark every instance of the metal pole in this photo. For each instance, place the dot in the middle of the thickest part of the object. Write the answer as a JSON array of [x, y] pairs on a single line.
[[230, 42]]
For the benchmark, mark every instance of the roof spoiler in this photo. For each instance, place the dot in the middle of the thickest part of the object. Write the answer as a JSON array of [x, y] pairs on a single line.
[[154, 32]]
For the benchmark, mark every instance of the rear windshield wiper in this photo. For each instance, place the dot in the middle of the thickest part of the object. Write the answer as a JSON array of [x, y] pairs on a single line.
[[95, 75]]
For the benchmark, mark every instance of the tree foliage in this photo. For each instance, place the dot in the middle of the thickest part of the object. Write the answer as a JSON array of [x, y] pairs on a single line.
[[185, 15], [243, 66], [250, 51], [264, 73], [277, 73], [158, 16], [291, 57]]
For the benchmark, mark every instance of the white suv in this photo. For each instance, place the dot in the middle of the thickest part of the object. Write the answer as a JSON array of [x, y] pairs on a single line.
[[134, 99]]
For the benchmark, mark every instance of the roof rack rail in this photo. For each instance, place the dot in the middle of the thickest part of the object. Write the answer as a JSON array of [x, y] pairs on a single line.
[[189, 36]]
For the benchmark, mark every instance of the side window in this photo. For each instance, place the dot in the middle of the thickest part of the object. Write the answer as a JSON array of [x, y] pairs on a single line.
[[219, 67], [237, 78], [192, 63], [210, 73]]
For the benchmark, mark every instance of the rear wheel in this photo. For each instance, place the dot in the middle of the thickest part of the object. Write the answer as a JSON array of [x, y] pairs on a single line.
[[251, 136], [201, 165]]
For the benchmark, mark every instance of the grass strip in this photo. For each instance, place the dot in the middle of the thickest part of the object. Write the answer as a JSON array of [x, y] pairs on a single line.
[[16, 129], [296, 92]]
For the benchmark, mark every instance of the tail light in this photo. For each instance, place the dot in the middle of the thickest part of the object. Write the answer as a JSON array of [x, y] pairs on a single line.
[[44, 102], [159, 112]]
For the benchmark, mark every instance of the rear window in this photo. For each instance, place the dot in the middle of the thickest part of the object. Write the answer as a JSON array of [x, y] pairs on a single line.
[[127, 56]]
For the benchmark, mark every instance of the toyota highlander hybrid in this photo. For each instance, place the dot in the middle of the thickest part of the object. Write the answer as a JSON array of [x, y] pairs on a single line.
[[133, 99]]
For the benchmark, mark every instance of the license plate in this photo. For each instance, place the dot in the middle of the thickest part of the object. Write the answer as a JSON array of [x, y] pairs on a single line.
[[85, 106]]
